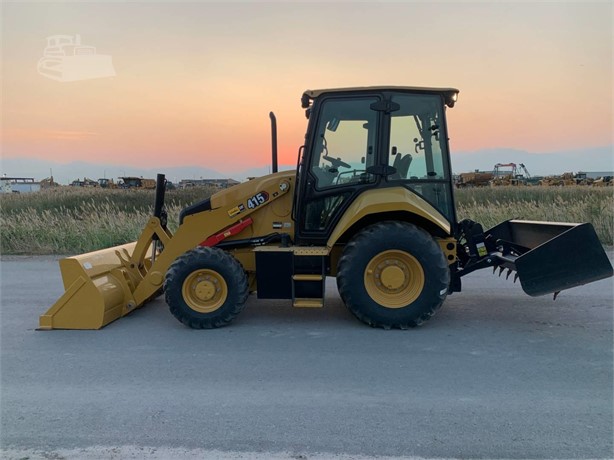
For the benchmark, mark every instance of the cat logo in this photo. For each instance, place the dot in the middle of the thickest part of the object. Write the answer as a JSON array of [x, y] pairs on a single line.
[[236, 210]]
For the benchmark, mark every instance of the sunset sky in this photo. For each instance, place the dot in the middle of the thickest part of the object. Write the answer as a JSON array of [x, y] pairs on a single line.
[[195, 81]]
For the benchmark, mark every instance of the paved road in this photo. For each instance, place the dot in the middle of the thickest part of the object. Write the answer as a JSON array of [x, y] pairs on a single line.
[[495, 374]]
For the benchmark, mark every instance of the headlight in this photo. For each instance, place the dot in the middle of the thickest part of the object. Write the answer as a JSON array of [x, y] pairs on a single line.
[[451, 98]]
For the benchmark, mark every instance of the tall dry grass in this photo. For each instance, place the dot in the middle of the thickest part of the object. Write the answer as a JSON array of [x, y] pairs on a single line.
[[491, 205], [72, 221]]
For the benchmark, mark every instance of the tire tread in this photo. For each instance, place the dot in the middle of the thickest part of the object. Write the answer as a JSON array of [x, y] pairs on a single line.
[[353, 251], [236, 282]]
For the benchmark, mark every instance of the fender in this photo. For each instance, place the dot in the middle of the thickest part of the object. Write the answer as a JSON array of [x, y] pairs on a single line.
[[393, 199]]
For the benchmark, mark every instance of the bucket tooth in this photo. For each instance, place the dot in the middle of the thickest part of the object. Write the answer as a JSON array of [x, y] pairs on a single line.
[[494, 269], [556, 294], [501, 270], [515, 276], [509, 272]]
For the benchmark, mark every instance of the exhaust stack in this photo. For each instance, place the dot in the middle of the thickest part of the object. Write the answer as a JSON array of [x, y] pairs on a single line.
[[274, 140]]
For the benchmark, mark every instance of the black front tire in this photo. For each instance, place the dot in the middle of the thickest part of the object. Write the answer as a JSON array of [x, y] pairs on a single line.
[[206, 288], [413, 255]]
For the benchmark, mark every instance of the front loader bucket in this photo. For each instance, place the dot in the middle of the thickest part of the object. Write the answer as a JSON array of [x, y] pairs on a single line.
[[549, 256], [98, 290]]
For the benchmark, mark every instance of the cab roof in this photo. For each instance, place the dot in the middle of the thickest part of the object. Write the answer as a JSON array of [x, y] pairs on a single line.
[[315, 93]]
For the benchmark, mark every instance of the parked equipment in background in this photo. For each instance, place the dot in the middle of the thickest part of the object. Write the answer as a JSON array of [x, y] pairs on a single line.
[[103, 182], [48, 183], [90, 183], [510, 174], [371, 204], [563, 180], [137, 182], [474, 179], [604, 181]]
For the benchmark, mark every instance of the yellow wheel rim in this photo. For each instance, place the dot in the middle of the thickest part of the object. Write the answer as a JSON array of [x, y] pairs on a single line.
[[204, 291], [394, 278]]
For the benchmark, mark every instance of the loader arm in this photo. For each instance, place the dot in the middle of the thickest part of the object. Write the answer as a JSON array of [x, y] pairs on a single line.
[[105, 285]]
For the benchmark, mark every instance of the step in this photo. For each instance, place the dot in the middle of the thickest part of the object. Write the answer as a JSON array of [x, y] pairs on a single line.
[[297, 250], [307, 277], [308, 303], [311, 251]]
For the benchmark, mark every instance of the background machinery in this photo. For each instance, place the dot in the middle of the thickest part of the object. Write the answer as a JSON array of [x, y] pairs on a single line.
[[474, 179], [136, 182], [603, 181], [86, 182], [510, 174], [48, 183], [104, 182], [371, 203]]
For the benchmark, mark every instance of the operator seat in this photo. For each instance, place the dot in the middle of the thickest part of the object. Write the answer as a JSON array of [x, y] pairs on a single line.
[[401, 164], [404, 165]]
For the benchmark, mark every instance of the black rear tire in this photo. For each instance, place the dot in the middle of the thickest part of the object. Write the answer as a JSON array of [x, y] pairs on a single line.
[[206, 288], [393, 275]]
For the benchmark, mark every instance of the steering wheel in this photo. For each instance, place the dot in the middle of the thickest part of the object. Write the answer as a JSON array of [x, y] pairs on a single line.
[[336, 162], [325, 177]]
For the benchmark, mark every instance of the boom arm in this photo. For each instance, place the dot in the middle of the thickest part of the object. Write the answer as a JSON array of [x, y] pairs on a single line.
[[197, 228]]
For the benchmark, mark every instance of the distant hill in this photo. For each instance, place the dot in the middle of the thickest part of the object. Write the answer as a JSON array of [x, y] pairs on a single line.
[[590, 159], [538, 164]]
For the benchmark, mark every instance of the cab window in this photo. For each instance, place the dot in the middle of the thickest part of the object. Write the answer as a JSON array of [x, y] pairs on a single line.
[[344, 143], [417, 146]]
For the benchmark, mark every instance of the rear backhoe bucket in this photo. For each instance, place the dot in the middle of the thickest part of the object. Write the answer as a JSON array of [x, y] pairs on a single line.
[[98, 290], [549, 256]]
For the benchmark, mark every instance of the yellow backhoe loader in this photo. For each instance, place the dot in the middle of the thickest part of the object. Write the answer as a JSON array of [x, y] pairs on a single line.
[[371, 203]]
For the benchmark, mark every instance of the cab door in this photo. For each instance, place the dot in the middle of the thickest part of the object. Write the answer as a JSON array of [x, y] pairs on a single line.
[[418, 150], [341, 148]]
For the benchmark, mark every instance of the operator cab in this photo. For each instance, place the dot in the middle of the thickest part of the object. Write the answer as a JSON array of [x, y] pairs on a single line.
[[363, 138]]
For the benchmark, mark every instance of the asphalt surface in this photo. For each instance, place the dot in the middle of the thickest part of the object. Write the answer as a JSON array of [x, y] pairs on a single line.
[[496, 374]]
